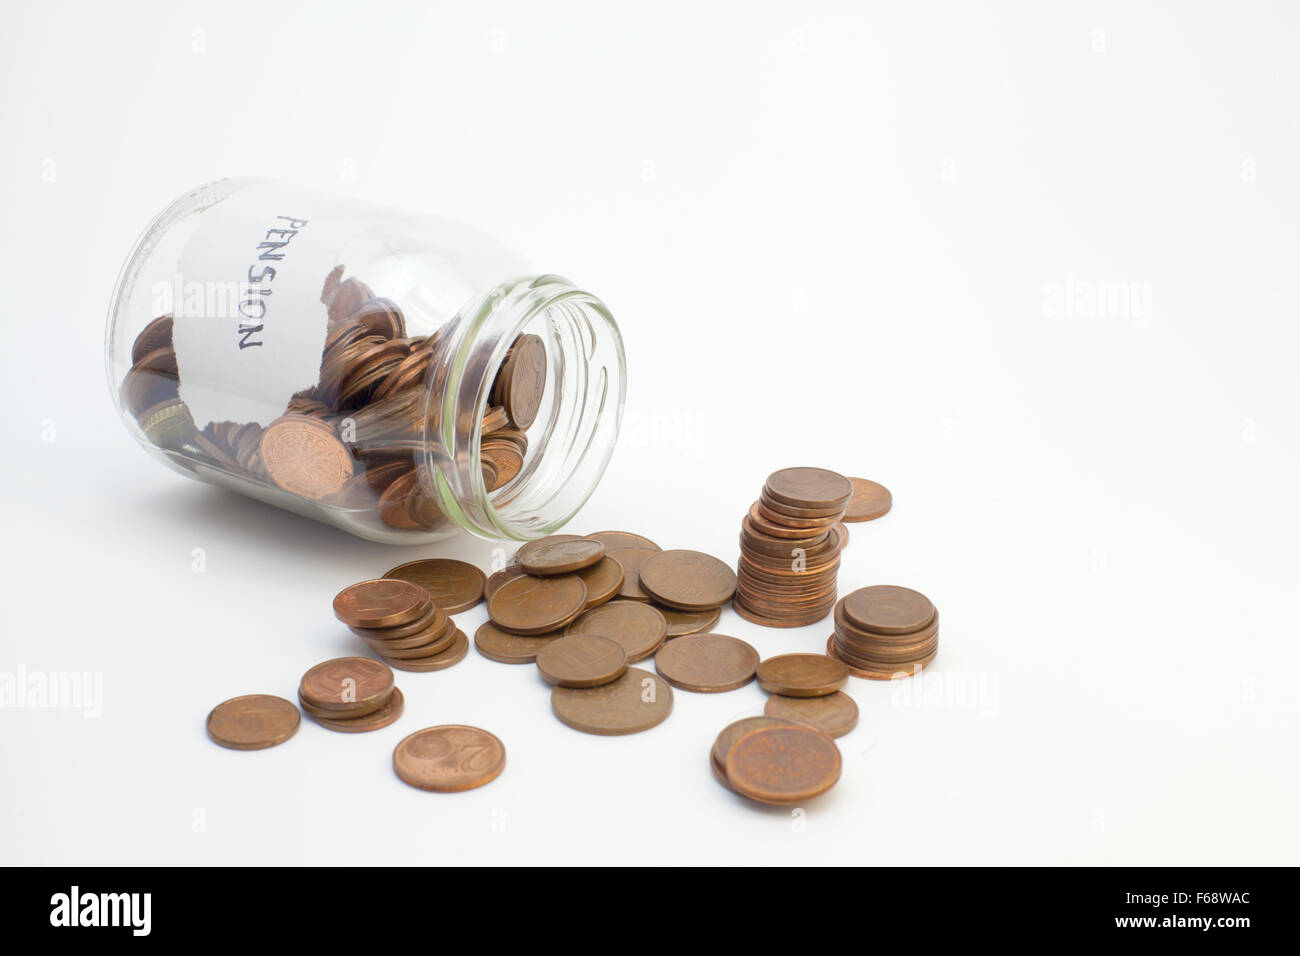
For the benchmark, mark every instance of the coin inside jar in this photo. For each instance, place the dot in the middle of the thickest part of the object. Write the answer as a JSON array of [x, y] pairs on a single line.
[[707, 663], [687, 580], [304, 456], [253, 722], [449, 758], [802, 675], [453, 585], [533, 605], [381, 602], [581, 660], [559, 554], [525, 380]]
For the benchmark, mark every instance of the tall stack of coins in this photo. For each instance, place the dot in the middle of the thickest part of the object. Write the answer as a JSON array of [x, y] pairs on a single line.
[[790, 548], [399, 621], [350, 695], [356, 437], [885, 631]]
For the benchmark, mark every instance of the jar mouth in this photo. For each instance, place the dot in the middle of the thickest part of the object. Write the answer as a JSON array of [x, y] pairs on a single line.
[[571, 440]]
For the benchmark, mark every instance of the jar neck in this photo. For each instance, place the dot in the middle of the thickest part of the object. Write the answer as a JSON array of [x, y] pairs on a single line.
[[573, 436]]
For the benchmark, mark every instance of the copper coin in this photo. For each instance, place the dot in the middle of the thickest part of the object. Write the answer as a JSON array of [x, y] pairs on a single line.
[[707, 663], [843, 532], [253, 722], [870, 500], [153, 337], [305, 457], [454, 585], [910, 669], [767, 620], [435, 642], [631, 559], [603, 579], [888, 609], [635, 702], [615, 540], [432, 619], [498, 578], [729, 735], [834, 714], [809, 488], [383, 602], [689, 622], [506, 648], [449, 758], [533, 605], [559, 554], [495, 419], [525, 372], [376, 720], [581, 660], [454, 654], [687, 580], [348, 686], [639, 628], [802, 675], [783, 766]]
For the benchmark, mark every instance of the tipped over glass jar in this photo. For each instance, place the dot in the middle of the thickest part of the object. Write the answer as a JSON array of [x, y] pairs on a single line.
[[399, 376]]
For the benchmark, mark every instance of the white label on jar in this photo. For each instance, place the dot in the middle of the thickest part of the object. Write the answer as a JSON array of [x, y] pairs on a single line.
[[249, 322]]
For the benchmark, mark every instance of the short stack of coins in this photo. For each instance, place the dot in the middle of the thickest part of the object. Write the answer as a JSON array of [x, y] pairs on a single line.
[[350, 695], [355, 439], [399, 621], [790, 548], [885, 631]]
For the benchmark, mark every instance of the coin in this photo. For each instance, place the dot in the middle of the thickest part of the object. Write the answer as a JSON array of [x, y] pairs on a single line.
[[581, 660], [153, 337], [615, 540], [729, 735], [435, 642], [449, 758], [834, 714], [375, 720], [639, 628], [383, 602], [559, 554], [498, 578], [525, 372], [687, 580], [454, 585], [533, 605], [811, 617], [707, 663], [870, 500], [253, 722], [783, 766], [603, 579], [347, 686], [809, 488], [506, 648], [689, 622], [635, 702], [432, 619], [304, 456], [881, 672], [454, 654], [630, 559], [802, 675], [888, 609]]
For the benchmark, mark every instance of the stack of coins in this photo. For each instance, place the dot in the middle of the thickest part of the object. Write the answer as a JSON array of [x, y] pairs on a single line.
[[355, 439], [884, 632], [400, 622], [350, 695], [774, 761], [790, 548]]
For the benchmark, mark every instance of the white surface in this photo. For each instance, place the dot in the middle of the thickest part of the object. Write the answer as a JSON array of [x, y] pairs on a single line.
[[831, 235]]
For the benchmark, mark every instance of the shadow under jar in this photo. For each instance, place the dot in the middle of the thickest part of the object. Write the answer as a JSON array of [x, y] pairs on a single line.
[[399, 376]]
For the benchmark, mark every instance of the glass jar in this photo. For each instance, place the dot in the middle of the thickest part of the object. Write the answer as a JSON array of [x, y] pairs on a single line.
[[397, 375]]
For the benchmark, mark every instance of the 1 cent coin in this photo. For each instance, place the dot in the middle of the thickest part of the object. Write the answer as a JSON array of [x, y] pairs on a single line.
[[347, 686], [689, 622], [639, 628], [498, 578], [581, 660], [253, 722], [559, 554], [834, 714], [533, 605], [687, 580], [454, 654], [453, 585], [616, 540], [635, 702], [604, 579], [707, 663], [506, 648], [525, 380], [809, 488], [802, 675], [449, 758], [377, 720], [783, 765], [729, 735], [631, 560], [888, 609], [870, 500], [381, 603]]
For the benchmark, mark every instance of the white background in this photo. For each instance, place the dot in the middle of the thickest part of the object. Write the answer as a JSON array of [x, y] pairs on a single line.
[[833, 234]]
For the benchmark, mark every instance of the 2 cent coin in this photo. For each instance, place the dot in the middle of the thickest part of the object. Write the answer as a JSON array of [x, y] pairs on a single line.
[[581, 660], [449, 758]]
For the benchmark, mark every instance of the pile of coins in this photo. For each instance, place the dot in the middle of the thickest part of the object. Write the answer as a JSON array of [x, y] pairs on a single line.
[[357, 437], [401, 623], [885, 631], [351, 695], [790, 543]]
